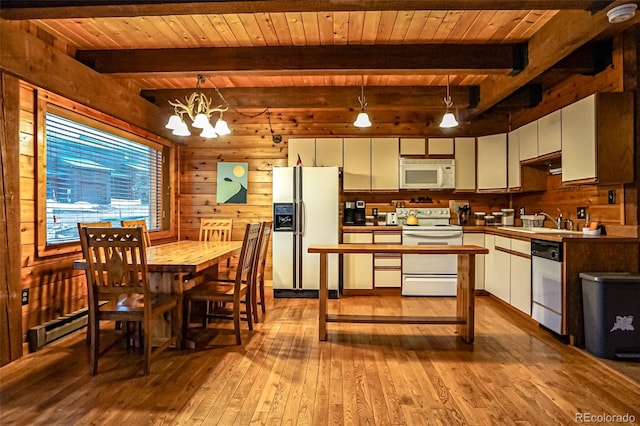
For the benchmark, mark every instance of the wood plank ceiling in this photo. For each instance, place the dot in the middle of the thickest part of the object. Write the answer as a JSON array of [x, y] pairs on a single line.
[[304, 54]]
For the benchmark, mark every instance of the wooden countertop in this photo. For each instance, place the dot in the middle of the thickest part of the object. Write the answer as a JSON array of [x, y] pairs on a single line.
[[559, 237], [369, 228], [396, 248]]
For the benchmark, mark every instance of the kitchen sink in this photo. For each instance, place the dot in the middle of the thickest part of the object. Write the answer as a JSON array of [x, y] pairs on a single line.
[[538, 230]]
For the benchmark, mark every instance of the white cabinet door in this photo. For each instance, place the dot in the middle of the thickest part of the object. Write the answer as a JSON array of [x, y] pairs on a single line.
[[329, 152], [412, 146], [550, 133], [513, 168], [477, 240], [305, 148], [529, 140], [489, 262], [357, 164], [440, 146], [465, 164], [357, 268], [492, 161], [579, 140], [384, 164], [501, 287], [520, 277]]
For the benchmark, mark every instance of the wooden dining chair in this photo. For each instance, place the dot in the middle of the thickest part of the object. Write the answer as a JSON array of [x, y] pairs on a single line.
[[261, 262], [215, 229], [117, 271], [139, 222], [236, 293]]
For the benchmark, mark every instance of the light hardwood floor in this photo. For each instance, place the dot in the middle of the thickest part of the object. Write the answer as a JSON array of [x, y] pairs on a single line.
[[363, 374]]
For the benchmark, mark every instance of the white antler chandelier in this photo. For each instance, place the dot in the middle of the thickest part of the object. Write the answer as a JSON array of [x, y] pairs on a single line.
[[197, 107]]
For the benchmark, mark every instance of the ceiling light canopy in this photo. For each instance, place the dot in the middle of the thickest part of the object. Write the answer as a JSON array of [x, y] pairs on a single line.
[[449, 118], [622, 13], [197, 107], [362, 120]]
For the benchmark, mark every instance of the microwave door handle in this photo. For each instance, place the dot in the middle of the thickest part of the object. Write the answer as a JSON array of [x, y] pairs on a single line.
[[440, 176]]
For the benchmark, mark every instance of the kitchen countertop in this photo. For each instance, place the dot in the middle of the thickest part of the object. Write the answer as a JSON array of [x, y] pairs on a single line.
[[369, 228]]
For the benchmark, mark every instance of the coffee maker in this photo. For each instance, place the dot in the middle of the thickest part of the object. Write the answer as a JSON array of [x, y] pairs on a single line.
[[360, 217], [349, 217]]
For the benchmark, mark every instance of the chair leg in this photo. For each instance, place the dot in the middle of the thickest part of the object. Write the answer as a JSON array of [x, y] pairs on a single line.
[[94, 347], [236, 321], [254, 302], [262, 304], [146, 328]]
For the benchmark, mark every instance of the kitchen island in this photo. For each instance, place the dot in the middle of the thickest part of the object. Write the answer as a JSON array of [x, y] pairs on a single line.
[[465, 302]]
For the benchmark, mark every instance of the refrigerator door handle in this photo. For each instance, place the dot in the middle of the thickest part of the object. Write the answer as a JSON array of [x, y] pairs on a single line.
[[303, 214]]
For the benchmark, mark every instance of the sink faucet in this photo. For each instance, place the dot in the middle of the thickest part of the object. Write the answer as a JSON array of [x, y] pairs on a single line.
[[558, 221]]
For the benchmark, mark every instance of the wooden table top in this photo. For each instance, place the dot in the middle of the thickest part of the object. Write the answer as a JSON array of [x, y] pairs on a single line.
[[396, 248], [185, 256]]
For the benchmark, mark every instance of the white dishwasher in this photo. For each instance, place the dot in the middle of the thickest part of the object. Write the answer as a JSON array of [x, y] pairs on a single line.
[[546, 283]]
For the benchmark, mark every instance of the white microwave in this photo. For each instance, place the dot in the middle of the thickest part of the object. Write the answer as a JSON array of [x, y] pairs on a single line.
[[426, 173]]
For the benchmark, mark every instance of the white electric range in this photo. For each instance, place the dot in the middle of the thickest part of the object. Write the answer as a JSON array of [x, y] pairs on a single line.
[[429, 275]]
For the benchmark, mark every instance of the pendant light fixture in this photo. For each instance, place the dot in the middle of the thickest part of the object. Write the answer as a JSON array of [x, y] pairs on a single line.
[[448, 119], [362, 120]]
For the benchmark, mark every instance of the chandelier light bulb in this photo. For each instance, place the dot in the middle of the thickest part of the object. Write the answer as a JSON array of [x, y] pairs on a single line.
[[174, 122], [222, 128], [208, 132], [362, 120], [182, 130], [201, 121]]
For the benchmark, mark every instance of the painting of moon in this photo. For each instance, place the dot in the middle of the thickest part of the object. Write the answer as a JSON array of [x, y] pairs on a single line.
[[232, 183]]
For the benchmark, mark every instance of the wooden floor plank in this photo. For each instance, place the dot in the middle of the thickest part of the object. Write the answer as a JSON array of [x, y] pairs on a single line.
[[514, 373]]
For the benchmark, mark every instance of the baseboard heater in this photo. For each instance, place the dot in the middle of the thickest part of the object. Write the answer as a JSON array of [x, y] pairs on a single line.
[[43, 334]]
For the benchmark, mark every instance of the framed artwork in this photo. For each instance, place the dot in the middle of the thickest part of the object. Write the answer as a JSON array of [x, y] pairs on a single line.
[[232, 183]]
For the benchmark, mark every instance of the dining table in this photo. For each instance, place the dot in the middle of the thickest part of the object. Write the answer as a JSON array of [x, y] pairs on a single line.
[[178, 266], [464, 319]]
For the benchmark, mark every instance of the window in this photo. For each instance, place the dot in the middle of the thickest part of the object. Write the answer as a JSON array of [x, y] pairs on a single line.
[[95, 175]]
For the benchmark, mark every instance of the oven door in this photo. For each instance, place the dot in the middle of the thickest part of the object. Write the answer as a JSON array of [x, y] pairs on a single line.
[[421, 264]]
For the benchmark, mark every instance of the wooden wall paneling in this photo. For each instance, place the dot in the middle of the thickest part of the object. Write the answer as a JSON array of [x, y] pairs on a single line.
[[631, 81], [10, 291]]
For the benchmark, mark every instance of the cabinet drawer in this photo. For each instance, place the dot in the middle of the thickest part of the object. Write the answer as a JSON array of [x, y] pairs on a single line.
[[391, 278], [379, 238], [503, 242], [387, 262], [520, 246]]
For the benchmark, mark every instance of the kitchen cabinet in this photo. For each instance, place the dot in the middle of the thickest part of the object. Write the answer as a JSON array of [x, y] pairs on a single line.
[[384, 164], [489, 262], [550, 133], [477, 240], [440, 146], [356, 172], [508, 270], [513, 159], [305, 148], [520, 275], [387, 268], [465, 156], [329, 152], [501, 286], [528, 135], [412, 146], [370, 164], [598, 139], [492, 162], [357, 268]]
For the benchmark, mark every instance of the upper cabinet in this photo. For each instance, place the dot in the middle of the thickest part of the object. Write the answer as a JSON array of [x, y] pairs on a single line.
[[513, 155], [370, 164], [528, 137], [550, 133], [412, 146], [465, 164], [492, 162], [597, 139], [384, 164], [305, 149], [329, 152], [440, 146]]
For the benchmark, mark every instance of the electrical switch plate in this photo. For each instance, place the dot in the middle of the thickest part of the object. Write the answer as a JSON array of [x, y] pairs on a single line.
[[521, 211], [611, 196], [25, 296], [582, 211]]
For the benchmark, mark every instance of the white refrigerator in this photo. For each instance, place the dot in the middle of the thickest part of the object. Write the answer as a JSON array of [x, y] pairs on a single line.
[[306, 211]]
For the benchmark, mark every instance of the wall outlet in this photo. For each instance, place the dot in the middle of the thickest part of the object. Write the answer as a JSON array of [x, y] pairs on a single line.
[[582, 212], [25, 296], [521, 211], [611, 196]]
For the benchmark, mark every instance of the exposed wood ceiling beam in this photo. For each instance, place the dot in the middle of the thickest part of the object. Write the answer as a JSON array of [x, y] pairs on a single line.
[[54, 9], [563, 34], [432, 58], [400, 97]]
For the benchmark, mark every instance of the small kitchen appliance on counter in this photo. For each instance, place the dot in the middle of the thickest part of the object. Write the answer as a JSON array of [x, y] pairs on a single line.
[[349, 215], [360, 217], [391, 219]]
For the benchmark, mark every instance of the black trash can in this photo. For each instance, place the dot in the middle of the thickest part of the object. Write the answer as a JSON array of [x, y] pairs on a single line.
[[611, 306]]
